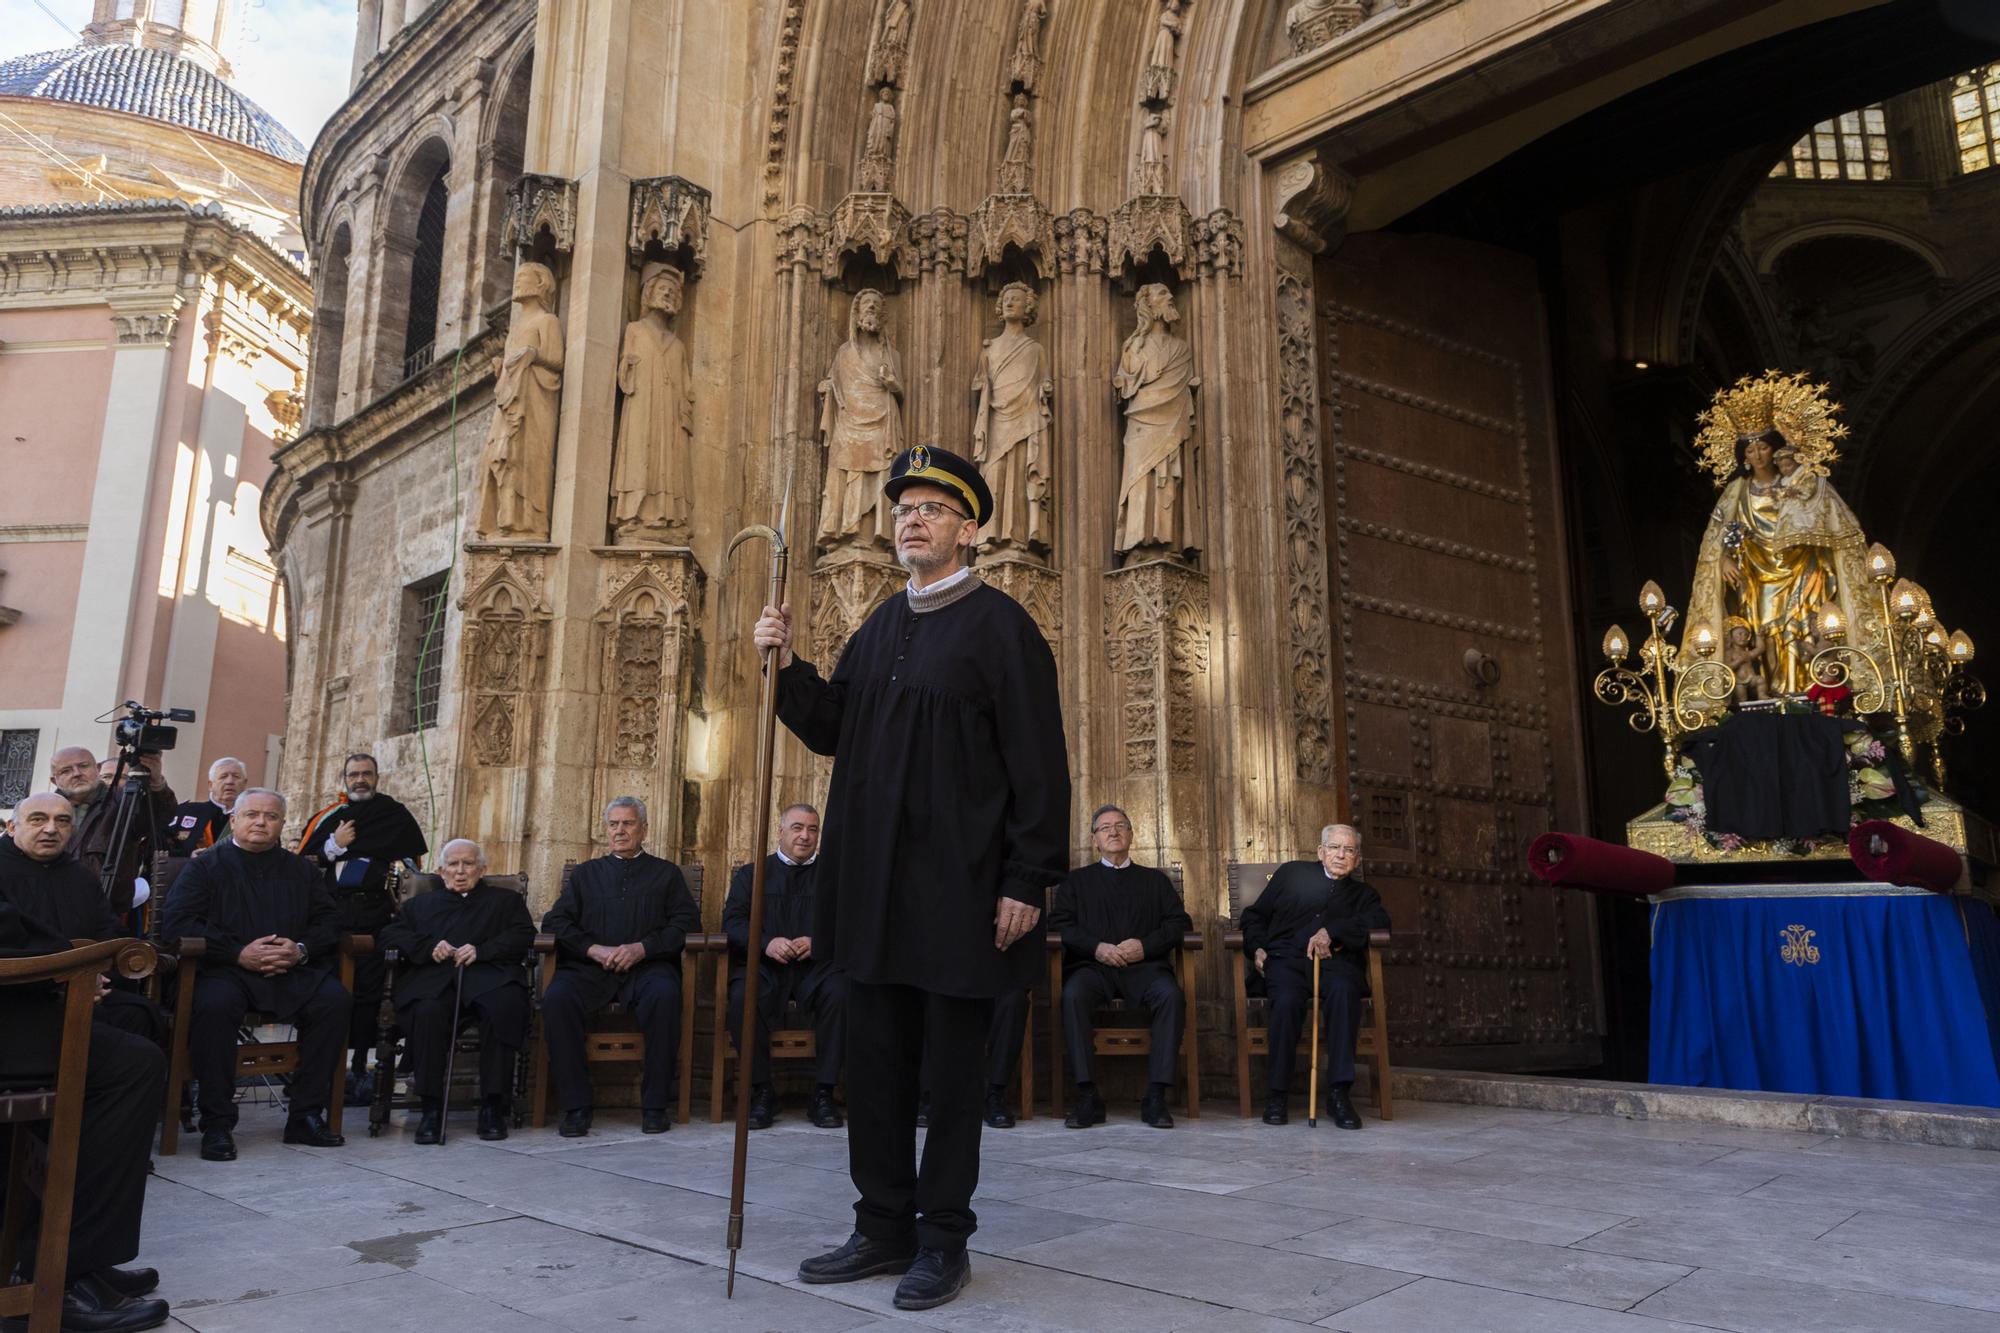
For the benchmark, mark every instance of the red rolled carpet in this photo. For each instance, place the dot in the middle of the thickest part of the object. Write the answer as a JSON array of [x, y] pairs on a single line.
[[1906, 858], [1572, 861]]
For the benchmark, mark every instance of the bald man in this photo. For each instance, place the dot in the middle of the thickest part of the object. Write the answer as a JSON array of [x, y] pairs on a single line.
[[484, 929], [73, 771]]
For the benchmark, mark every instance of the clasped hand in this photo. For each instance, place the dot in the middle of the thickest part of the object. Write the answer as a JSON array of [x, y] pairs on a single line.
[[464, 954], [795, 950], [268, 956], [623, 958], [1122, 954]]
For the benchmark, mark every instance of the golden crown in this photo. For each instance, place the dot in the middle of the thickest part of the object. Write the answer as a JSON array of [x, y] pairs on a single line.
[[1793, 405]]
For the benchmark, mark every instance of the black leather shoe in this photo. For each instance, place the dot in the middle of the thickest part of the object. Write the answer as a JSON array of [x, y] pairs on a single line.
[[924, 1111], [655, 1121], [936, 1276], [1275, 1112], [860, 1257], [310, 1128], [92, 1305], [218, 1145], [492, 1122], [1341, 1108], [997, 1114], [1088, 1111], [821, 1110], [763, 1106], [431, 1127], [129, 1282], [1153, 1110], [576, 1123]]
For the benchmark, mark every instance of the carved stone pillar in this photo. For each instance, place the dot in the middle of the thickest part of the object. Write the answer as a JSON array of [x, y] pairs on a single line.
[[649, 606], [1156, 643], [503, 653]]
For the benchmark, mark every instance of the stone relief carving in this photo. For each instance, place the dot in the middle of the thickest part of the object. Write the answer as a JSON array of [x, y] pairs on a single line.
[[784, 87], [1312, 197], [1158, 86], [875, 223], [1010, 427], [1155, 380], [535, 204], [892, 44], [672, 213], [1024, 66], [877, 171], [1157, 649], [861, 418], [1305, 531], [643, 633], [1152, 222], [519, 467], [1017, 163], [801, 239], [288, 409], [939, 238], [844, 592], [502, 653], [650, 470], [1013, 219], [153, 328], [1219, 245], [1313, 23], [1081, 244]]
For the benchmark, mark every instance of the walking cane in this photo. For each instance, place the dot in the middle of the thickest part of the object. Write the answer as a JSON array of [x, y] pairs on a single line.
[[1312, 1079], [767, 739], [450, 1053]]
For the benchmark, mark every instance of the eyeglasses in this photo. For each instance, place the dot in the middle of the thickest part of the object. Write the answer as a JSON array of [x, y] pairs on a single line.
[[1348, 848], [1120, 827], [930, 511]]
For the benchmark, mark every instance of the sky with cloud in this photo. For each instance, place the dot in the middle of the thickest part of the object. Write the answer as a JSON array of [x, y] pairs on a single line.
[[292, 57]]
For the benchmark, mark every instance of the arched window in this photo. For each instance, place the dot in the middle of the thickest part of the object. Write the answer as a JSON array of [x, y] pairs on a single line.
[[330, 330], [426, 274], [1853, 146], [1975, 115]]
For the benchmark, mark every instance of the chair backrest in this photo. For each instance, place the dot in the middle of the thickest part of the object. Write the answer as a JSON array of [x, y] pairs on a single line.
[[1179, 879], [692, 874], [1246, 880]]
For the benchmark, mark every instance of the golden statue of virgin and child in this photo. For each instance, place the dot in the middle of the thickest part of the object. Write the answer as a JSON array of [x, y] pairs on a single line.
[[1781, 545]]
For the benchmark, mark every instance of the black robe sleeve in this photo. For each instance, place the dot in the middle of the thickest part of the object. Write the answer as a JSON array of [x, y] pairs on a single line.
[[1079, 942], [565, 922], [1035, 756], [682, 917], [811, 707], [1171, 916], [322, 932], [512, 935], [1348, 923], [409, 933], [1257, 922], [736, 912], [187, 914]]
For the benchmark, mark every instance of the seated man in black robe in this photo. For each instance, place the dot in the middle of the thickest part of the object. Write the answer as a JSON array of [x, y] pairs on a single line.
[[358, 841], [1310, 911], [47, 883], [484, 931], [197, 825], [272, 931], [619, 925], [123, 1084], [1120, 922], [788, 969]]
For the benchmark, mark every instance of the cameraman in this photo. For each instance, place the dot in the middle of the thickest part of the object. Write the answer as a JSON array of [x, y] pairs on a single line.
[[74, 773]]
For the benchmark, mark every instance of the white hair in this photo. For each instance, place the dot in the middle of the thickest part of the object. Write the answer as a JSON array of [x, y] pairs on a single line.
[[227, 759], [1326, 834], [626, 803], [462, 842]]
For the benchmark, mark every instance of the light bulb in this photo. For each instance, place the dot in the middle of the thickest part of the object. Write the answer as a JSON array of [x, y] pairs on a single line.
[[1881, 565], [1651, 599], [1616, 645]]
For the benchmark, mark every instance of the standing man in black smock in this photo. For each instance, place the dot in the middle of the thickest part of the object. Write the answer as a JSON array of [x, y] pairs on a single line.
[[484, 929], [946, 821], [1309, 911], [272, 933], [620, 926], [789, 968], [1120, 923], [357, 841]]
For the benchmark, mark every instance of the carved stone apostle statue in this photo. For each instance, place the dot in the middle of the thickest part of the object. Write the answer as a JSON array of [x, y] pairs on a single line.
[[1010, 433], [1153, 154], [520, 460], [1017, 163], [1155, 378], [1026, 66], [861, 416], [877, 174], [650, 468]]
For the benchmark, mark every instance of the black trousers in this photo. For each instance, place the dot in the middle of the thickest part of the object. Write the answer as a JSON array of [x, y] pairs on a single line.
[[1005, 1036], [655, 1001], [129, 1011], [122, 1090], [894, 1034], [502, 1017], [820, 989], [1147, 986], [1288, 982], [220, 1002]]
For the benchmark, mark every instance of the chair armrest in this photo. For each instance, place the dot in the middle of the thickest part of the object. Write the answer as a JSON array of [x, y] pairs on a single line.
[[354, 946], [545, 944], [127, 957], [1194, 939], [1232, 939], [190, 946], [1055, 943], [1378, 939]]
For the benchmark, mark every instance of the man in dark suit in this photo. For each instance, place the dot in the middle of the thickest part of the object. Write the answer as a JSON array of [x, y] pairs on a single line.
[[483, 931], [620, 925], [1308, 911], [272, 931], [789, 968]]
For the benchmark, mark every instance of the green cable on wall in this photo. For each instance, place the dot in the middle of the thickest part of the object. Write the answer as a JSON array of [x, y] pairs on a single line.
[[437, 616]]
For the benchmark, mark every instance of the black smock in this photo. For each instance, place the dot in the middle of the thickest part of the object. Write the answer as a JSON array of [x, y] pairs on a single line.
[[385, 832], [1099, 904], [817, 984], [64, 893], [612, 901], [1299, 901], [950, 791], [1774, 775], [229, 897], [494, 921], [788, 907]]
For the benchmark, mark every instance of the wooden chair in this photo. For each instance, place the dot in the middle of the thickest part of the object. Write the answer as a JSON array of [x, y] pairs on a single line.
[[1128, 1039], [389, 1039], [614, 1037], [1371, 1045], [61, 1105], [254, 1059]]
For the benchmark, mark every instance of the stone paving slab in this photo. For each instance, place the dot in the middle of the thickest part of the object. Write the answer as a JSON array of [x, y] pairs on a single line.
[[1449, 1217]]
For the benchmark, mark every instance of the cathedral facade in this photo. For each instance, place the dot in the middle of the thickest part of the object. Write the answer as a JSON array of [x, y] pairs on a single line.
[[1249, 310]]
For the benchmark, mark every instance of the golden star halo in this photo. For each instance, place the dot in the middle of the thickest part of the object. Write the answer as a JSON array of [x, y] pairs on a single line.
[[1793, 405]]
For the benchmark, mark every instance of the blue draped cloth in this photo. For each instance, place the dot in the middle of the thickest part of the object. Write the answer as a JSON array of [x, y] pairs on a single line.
[[1851, 990]]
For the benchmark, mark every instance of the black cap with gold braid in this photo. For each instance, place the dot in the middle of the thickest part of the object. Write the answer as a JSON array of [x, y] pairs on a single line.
[[940, 467]]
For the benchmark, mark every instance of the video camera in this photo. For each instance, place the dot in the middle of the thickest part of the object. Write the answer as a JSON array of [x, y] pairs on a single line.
[[140, 730]]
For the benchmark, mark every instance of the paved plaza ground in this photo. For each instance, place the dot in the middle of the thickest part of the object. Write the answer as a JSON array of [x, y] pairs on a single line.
[[1448, 1218]]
